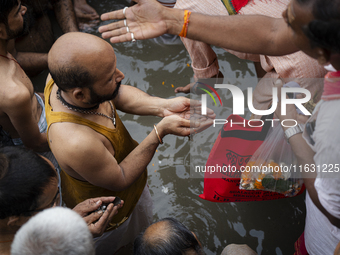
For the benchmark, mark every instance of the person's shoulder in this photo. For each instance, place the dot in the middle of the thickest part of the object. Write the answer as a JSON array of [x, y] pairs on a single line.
[[75, 146], [74, 138], [13, 93]]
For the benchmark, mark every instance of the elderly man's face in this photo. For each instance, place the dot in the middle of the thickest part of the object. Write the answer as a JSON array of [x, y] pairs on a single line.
[[297, 17]]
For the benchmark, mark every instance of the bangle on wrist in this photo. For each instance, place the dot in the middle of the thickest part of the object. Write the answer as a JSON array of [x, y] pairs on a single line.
[[159, 138], [293, 131], [184, 31]]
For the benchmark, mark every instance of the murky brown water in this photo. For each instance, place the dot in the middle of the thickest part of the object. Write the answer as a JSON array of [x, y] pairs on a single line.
[[269, 227]]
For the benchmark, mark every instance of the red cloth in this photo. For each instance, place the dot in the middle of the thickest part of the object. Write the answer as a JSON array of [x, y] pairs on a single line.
[[331, 90], [233, 6], [238, 4], [300, 248], [232, 150]]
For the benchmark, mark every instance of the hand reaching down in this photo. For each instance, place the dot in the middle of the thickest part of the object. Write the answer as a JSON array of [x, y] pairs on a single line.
[[97, 220]]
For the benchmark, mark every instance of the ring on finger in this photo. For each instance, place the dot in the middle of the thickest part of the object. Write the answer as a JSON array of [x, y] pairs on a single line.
[[125, 24], [124, 10], [127, 30], [132, 37]]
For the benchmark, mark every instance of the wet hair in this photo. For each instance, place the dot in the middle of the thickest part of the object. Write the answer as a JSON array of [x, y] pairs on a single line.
[[69, 77], [176, 239], [6, 7], [324, 30], [24, 175]]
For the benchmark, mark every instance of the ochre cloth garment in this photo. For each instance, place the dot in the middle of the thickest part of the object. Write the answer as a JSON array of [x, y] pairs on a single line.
[[75, 191]]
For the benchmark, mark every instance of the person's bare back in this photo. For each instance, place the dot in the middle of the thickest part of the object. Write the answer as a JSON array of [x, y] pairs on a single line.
[[19, 108]]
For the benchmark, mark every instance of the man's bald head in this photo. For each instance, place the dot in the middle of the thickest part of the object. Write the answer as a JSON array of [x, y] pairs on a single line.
[[76, 59], [167, 236]]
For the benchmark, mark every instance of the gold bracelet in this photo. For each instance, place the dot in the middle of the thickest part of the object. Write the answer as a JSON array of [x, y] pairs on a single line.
[[159, 139]]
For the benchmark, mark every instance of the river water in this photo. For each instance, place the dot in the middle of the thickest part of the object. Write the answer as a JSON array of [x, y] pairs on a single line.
[[268, 227]]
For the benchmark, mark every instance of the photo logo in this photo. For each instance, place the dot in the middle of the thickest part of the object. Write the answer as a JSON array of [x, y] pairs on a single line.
[[204, 97], [238, 99]]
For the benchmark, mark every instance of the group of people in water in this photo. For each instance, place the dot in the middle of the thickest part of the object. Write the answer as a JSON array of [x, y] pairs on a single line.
[[87, 159]]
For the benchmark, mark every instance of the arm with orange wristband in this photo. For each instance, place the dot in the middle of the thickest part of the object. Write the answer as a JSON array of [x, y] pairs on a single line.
[[147, 19], [184, 31]]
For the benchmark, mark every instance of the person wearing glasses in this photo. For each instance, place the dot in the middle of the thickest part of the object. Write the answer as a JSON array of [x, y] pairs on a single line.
[[29, 185]]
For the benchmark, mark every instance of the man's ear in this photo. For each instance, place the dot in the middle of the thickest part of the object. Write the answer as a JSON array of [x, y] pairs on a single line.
[[323, 56], [79, 94]]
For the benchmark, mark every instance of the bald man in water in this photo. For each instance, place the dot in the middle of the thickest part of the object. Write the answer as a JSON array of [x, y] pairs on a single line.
[[95, 151]]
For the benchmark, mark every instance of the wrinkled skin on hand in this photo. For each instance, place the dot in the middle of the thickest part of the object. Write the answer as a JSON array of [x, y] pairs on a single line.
[[97, 221]]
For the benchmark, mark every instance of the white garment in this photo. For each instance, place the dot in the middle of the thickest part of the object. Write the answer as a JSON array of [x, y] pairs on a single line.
[[321, 237]]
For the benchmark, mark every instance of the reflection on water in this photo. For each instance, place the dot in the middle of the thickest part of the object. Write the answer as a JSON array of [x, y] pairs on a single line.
[[269, 227]]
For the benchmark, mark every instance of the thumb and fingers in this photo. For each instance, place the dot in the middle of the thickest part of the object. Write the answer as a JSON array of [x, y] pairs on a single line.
[[185, 89], [98, 221]]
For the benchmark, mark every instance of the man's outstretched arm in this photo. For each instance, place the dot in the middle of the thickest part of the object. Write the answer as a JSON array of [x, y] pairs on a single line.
[[133, 100], [245, 33], [95, 163]]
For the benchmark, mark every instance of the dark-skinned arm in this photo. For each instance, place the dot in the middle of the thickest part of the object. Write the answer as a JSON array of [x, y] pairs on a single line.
[[245, 33], [65, 15]]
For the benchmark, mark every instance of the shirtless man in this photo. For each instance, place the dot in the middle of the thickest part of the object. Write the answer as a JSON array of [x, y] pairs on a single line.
[[31, 48], [21, 110], [97, 155]]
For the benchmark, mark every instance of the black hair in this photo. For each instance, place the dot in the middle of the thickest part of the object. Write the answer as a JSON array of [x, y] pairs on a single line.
[[176, 241], [324, 30], [71, 77], [23, 177], [6, 7]]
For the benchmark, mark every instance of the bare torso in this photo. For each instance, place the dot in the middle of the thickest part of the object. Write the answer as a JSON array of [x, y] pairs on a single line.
[[14, 82]]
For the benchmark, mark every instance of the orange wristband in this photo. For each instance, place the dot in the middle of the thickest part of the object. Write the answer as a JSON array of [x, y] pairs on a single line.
[[184, 31]]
